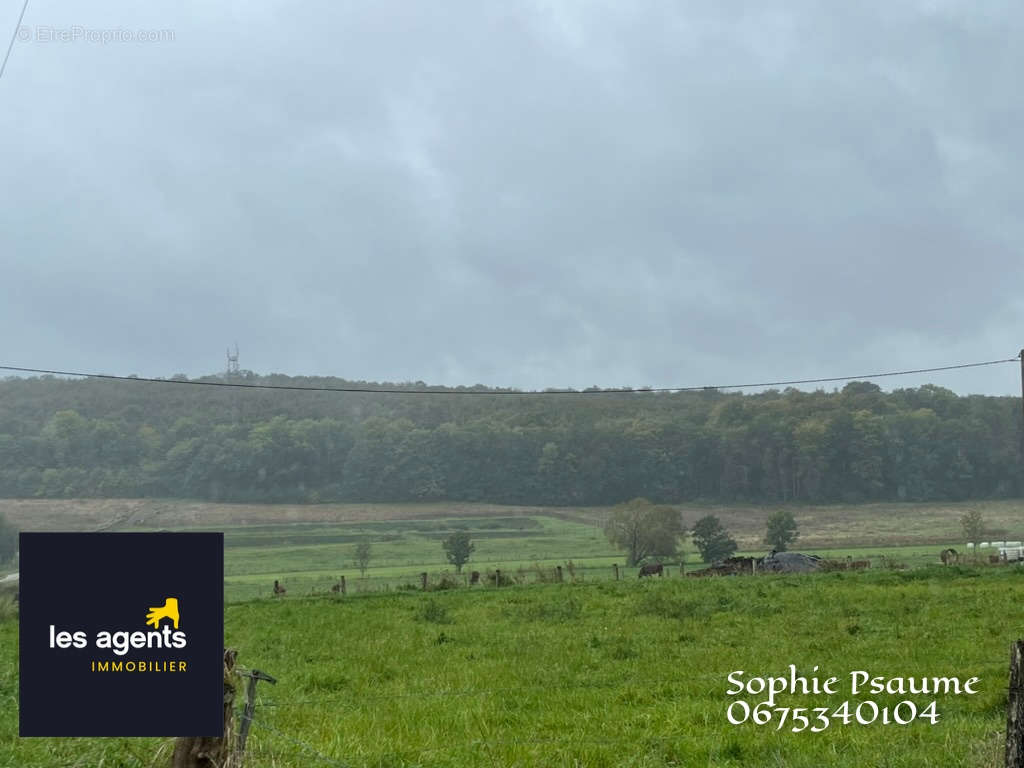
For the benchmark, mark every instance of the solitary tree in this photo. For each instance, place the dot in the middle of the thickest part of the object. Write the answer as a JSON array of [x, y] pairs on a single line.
[[8, 540], [363, 556], [644, 530], [712, 540], [974, 526], [458, 548], [782, 530]]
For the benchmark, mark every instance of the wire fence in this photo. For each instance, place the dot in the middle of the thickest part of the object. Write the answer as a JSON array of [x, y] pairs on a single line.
[[303, 585]]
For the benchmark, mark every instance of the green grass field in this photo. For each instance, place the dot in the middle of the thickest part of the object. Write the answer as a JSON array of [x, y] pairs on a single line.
[[309, 557], [589, 672], [598, 674]]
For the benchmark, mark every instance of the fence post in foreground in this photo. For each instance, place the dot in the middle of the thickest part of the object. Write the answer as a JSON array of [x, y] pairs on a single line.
[[1015, 708], [497, 577], [343, 584], [615, 570], [204, 751], [558, 573], [423, 580], [250, 707]]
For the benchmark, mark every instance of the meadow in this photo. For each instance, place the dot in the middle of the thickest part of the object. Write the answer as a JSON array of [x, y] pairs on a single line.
[[308, 547], [589, 672], [629, 673]]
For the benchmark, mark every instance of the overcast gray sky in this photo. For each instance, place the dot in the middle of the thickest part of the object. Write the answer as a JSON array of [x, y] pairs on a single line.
[[519, 192]]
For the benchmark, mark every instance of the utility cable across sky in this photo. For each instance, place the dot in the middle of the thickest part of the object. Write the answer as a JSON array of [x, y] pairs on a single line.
[[516, 392]]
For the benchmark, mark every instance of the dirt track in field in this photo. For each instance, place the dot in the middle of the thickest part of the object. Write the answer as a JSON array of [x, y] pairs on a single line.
[[126, 514], [821, 526]]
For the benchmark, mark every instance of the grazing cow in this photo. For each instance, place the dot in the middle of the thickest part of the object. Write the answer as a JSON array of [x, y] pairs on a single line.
[[474, 577], [949, 556], [650, 570], [278, 589], [995, 559], [336, 587]]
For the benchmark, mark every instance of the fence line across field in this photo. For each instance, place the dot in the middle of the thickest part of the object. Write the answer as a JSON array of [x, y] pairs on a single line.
[[312, 586], [356, 698], [604, 684]]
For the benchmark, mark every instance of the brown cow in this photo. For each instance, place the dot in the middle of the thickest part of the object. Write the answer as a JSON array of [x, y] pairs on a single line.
[[474, 577], [650, 570], [278, 589], [948, 556]]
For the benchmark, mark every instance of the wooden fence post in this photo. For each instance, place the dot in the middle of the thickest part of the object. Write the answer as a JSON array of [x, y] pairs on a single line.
[[343, 585], [423, 580], [202, 751], [558, 573], [497, 577], [250, 707], [1015, 708], [615, 570]]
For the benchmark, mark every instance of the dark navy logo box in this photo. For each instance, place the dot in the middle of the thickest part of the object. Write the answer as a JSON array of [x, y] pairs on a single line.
[[122, 634]]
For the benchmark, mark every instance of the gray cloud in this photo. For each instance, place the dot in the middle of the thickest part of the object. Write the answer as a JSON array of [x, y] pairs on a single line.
[[533, 194]]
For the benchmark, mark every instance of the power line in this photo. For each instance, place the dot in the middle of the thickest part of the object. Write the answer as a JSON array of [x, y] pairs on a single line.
[[14, 36], [516, 392]]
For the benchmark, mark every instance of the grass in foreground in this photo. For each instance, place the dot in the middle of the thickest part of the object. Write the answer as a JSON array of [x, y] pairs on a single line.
[[598, 674]]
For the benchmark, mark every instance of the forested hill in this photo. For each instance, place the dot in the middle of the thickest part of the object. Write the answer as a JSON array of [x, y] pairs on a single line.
[[65, 438]]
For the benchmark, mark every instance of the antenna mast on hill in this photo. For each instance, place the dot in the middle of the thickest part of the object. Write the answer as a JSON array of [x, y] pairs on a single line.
[[232, 372], [231, 376]]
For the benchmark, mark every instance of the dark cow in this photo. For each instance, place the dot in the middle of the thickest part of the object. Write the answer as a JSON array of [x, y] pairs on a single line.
[[474, 577], [650, 570], [949, 556], [278, 589]]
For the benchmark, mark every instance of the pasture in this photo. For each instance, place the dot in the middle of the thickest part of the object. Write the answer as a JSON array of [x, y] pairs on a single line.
[[589, 672], [308, 547], [596, 673]]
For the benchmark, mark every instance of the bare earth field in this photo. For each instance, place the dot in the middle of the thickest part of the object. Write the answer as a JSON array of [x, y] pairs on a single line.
[[865, 525]]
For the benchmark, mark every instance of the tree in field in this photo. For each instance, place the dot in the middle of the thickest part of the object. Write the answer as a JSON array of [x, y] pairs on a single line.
[[363, 556], [974, 526], [712, 540], [8, 540], [782, 530], [458, 548], [644, 530]]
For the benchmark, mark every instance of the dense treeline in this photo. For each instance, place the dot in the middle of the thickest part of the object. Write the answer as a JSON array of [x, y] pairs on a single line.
[[66, 438]]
